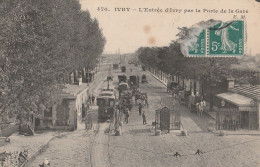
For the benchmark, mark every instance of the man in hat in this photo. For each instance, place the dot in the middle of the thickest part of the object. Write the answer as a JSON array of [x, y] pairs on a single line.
[[126, 115]]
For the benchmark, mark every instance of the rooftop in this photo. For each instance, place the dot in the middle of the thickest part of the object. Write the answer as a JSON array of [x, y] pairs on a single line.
[[236, 99], [75, 89], [247, 63], [249, 91], [168, 102]]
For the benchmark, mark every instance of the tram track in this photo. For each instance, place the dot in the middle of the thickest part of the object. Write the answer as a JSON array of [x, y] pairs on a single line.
[[98, 135], [91, 146], [109, 138], [95, 148]]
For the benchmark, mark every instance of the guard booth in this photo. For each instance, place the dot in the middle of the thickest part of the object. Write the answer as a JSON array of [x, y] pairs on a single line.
[[167, 118]]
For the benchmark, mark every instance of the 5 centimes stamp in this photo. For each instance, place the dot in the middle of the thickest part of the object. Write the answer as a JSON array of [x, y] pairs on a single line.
[[199, 46], [227, 38], [214, 38]]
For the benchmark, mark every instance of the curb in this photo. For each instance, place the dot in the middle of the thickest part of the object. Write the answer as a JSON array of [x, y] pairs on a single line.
[[39, 151], [42, 148], [234, 134]]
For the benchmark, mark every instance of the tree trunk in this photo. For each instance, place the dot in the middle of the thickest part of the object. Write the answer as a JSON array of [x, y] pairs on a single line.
[[210, 99]]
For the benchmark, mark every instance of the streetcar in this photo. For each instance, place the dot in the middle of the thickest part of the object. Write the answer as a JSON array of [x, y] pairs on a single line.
[[106, 105]]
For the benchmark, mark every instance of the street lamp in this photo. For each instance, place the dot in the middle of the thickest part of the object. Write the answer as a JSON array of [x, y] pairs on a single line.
[[87, 77]]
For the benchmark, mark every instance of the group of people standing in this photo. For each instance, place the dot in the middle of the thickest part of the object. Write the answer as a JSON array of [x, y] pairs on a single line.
[[126, 111]]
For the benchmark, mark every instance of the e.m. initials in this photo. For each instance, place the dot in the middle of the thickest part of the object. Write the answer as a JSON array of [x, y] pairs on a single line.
[[237, 17]]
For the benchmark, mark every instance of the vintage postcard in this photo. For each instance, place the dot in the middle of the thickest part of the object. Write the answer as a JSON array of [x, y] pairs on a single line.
[[123, 83]]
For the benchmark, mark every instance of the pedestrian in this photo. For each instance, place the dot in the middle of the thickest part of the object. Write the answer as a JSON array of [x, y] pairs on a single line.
[[89, 99], [126, 115], [144, 118], [93, 99], [191, 101], [88, 104], [146, 101], [140, 108], [83, 111]]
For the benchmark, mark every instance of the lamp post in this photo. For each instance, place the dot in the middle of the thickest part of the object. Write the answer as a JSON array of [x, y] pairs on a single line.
[[87, 77], [218, 114]]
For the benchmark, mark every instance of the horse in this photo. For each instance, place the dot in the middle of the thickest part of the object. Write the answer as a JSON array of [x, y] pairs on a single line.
[[200, 107], [203, 105]]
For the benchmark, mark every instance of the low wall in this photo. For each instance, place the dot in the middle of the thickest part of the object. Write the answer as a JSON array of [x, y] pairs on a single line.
[[8, 129]]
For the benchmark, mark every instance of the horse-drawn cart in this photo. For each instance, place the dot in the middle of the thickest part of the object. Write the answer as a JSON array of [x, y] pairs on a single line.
[[193, 108], [141, 98], [171, 86], [184, 97], [126, 100]]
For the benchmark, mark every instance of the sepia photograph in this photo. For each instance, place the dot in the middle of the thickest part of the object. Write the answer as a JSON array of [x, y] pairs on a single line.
[[129, 83]]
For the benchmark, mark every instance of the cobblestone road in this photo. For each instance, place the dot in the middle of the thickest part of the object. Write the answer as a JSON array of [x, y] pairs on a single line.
[[67, 151]]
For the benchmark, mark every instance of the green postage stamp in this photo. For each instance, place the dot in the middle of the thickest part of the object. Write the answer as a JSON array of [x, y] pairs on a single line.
[[222, 39]]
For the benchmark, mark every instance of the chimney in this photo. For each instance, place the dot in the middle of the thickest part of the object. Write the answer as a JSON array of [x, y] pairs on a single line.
[[231, 83]]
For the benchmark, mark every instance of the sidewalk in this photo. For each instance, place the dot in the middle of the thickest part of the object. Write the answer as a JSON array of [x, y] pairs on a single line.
[[213, 114], [34, 144], [164, 83]]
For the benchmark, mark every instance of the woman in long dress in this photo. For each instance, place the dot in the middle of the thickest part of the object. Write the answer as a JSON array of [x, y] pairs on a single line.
[[227, 45]]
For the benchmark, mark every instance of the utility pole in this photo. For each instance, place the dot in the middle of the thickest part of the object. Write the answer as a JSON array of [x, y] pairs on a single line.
[[99, 62]]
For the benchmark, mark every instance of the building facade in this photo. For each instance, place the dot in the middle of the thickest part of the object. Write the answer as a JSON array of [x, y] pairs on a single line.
[[239, 108], [66, 114]]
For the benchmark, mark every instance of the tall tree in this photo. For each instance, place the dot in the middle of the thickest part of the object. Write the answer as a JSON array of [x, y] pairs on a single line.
[[40, 43]]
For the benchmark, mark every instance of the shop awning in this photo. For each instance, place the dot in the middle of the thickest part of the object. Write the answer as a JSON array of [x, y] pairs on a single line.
[[244, 103]]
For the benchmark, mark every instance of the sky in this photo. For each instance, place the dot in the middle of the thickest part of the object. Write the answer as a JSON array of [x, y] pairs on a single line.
[[127, 31]]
